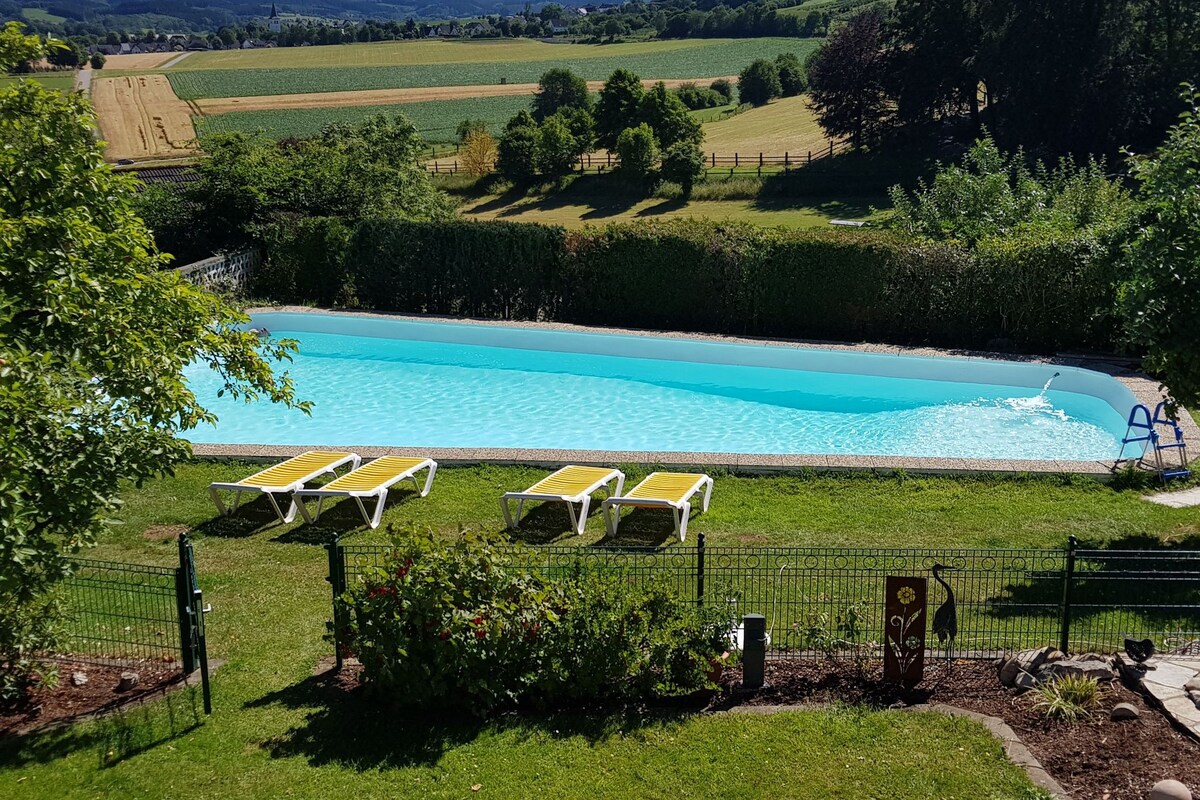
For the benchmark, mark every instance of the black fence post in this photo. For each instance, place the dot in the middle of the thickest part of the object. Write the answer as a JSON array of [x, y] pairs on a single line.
[[1064, 639], [183, 595], [337, 581], [700, 570], [196, 639]]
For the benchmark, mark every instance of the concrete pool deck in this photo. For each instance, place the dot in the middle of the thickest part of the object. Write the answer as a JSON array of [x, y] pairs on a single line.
[[1145, 390]]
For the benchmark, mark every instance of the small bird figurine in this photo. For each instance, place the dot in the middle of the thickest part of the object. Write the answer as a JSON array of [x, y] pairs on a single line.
[[1139, 651]]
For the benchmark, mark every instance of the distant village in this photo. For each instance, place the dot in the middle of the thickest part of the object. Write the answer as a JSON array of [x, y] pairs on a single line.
[[279, 30]]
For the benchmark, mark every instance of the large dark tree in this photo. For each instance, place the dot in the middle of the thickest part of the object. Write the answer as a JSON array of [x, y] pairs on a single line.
[[935, 74], [847, 80]]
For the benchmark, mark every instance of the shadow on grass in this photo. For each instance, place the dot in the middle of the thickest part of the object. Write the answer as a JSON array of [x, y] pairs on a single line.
[[549, 523], [252, 516], [666, 206], [643, 527], [340, 517], [354, 729], [112, 738]]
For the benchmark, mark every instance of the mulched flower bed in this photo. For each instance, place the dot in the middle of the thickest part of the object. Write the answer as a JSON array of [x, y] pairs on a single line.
[[1096, 758], [50, 706]]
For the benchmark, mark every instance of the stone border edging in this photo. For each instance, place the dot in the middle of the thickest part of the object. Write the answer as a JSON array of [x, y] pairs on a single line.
[[1014, 749]]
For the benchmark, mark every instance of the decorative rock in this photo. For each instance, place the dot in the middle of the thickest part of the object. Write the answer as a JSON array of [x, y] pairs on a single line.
[[1170, 790], [1054, 655], [1025, 661], [1078, 667], [78, 678], [1193, 685], [1009, 672], [1025, 681], [128, 681], [1124, 711]]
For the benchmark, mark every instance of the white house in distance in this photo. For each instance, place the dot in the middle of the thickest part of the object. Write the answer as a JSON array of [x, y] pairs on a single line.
[[274, 23]]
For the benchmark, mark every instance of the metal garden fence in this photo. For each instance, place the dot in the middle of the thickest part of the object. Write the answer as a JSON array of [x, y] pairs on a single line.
[[121, 613], [829, 601]]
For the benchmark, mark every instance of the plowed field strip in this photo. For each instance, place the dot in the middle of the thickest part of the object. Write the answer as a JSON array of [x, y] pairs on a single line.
[[140, 117]]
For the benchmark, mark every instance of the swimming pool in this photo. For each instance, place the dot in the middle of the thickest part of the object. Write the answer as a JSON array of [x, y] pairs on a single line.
[[404, 383]]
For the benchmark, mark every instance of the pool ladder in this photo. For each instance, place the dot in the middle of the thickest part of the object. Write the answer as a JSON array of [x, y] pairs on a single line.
[[1145, 427]]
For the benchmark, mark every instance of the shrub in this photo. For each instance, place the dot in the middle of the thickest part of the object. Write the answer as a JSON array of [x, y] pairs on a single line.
[[1068, 698], [683, 163], [557, 89], [638, 151], [792, 78], [516, 156], [466, 623], [723, 87], [478, 153], [759, 83], [556, 149], [696, 98], [306, 262]]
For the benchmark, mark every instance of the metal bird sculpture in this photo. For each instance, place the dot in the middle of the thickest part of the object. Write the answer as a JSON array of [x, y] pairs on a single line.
[[1139, 651], [945, 619]]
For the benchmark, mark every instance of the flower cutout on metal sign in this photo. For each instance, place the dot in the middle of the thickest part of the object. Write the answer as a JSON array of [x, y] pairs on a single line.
[[906, 595]]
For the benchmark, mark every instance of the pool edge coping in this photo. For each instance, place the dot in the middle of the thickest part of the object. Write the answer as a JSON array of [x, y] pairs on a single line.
[[1144, 389]]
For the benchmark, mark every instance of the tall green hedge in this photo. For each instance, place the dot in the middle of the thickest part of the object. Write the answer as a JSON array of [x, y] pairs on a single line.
[[1036, 293]]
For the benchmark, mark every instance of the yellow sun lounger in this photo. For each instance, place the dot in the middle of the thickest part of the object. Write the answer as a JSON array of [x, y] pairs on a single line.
[[283, 478], [570, 485], [371, 480], [673, 490]]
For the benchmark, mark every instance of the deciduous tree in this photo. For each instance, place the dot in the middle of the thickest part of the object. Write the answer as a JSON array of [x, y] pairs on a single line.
[[847, 79]]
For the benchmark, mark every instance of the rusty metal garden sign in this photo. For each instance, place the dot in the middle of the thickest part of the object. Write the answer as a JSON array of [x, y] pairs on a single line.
[[904, 623]]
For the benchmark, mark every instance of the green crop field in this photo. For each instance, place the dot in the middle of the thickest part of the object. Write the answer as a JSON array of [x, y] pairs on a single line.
[[593, 62], [471, 51], [836, 8], [62, 81], [436, 119]]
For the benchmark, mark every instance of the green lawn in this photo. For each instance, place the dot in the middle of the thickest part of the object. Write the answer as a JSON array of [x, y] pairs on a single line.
[[62, 81], [34, 14], [278, 732]]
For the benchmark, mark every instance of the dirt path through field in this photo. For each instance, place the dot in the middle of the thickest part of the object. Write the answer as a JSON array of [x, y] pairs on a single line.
[[380, 97], [140, 117]]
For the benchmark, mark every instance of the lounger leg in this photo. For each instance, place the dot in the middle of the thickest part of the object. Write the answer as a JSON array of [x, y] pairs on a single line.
[[583, 514], [237, 499], [279, 512], [681, 520], [299, 501], [508, 520], [620, 484], [216, 498], [362, 509], [576, 522], [375, 520], [707, 496], [428, 480], [612, 517]]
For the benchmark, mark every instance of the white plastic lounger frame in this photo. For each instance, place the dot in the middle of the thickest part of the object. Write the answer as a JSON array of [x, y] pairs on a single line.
[[581, 493], [343, 487], [294, 475], [681, 507]]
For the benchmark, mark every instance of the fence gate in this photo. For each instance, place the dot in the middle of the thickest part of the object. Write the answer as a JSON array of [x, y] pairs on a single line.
[[137, 614]]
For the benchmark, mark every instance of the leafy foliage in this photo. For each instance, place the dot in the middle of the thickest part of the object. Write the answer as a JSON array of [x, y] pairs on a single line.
[[516, 157], [759, 83], [668, 117], [467, 624], [848, 79], [478, 153], [638, 150], [792, 78], [1069, 698], [556, 150], [559, 89], [683, 163], [696, 98], [94, 341], [1160, 300], [617, 106], [993, 194]]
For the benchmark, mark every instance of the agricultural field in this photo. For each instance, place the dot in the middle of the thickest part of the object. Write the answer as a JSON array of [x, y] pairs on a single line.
[[836, 8], [62, 81], [474, 51], [436, 120], [141, 118], [592, 62], [34, 14]]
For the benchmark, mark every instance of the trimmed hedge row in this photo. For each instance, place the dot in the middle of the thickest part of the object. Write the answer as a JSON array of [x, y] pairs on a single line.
[[1034, 293]]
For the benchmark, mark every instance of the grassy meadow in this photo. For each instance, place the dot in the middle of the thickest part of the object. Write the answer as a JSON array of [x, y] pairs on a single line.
[[62, 81], [704, 58]]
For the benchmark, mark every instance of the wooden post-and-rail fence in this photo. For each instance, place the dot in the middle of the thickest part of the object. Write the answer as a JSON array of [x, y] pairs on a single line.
[[748, 163]]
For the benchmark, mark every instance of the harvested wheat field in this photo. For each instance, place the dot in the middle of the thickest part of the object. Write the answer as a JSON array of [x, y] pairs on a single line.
[[140, 117], [138, 60], [384, 97]]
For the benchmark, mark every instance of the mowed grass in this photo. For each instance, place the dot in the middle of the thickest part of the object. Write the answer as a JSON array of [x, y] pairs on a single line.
[[704, 58], [810, 509], [436, 121], [577, 209], [34, 14], [61, 81], [782, 126], [278, 732]]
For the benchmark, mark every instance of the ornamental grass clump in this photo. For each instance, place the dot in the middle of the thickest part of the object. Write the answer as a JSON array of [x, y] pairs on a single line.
[[471, 624], [1069, 698]]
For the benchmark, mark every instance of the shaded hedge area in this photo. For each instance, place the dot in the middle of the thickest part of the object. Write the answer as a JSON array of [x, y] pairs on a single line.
[[1037, 293]]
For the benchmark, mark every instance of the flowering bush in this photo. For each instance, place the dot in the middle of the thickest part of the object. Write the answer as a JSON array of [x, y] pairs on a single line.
[[469, 624]]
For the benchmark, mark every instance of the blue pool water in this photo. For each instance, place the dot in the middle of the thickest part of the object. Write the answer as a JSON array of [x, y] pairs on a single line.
[[388, 382]]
